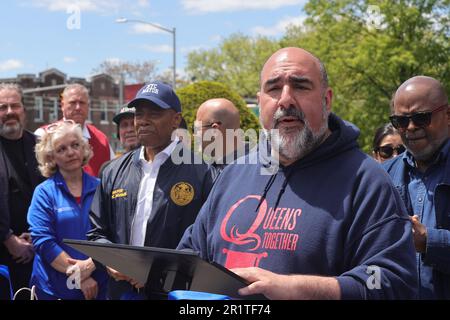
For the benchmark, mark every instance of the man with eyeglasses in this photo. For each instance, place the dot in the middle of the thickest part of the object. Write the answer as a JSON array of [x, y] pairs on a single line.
[[421, 114], [18, 178], [215, 119]]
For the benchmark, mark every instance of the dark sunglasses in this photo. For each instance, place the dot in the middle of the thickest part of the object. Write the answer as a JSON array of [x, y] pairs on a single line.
[[420, 119], [387, 151]]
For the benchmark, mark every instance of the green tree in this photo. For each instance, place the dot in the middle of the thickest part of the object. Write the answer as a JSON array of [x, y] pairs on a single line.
[[369, 54], [237, 62], [369, 48], [193, 95]]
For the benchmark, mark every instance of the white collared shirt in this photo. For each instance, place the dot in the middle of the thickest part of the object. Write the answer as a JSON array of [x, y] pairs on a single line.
[[144, 205]]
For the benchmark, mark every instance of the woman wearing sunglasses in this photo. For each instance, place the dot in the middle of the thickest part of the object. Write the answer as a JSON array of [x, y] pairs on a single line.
[[387, 143], [59, 210]]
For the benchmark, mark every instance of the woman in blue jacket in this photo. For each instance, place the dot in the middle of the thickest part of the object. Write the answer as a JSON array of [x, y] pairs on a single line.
[[59, 210]]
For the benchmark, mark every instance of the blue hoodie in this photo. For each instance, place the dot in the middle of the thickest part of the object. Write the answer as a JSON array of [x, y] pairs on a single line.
[[332, 213], [53, 216]]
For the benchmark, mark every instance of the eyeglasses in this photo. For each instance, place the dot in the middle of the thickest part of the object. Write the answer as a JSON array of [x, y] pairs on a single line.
[[387, 151], [196, 128], [54, 126], [13, 106], [419, 119]]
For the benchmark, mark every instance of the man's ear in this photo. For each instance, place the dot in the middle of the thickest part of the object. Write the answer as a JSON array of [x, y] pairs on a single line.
[[329, 98], [448, 117], [176, 120]]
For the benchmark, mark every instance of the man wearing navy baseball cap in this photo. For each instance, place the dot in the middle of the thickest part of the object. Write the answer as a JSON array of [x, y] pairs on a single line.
[[145, 198]]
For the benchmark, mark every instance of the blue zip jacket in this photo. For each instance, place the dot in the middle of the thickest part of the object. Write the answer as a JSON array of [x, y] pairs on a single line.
[[54, 215], [438, 237], [333, 213]]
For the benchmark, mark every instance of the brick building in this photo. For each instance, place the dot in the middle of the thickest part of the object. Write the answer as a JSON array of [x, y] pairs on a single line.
[[42, 99]]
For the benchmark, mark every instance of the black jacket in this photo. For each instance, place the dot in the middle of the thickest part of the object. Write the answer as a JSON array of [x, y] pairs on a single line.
[[15, 196], [180, 191]]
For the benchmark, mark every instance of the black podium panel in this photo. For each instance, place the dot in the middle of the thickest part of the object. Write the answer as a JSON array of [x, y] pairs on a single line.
[[181, 270]]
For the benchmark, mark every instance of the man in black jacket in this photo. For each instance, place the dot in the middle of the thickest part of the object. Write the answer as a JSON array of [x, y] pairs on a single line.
[[18, 178], [149, 196]]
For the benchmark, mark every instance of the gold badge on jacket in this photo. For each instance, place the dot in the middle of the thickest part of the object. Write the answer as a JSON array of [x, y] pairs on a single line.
[[118, 193], [182, 193]]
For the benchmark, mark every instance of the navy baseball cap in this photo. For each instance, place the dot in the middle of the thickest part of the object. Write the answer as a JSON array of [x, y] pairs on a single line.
[[125, 111], [158, 93]]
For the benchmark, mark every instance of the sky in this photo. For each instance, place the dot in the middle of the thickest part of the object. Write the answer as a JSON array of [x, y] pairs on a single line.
[[75, 36]]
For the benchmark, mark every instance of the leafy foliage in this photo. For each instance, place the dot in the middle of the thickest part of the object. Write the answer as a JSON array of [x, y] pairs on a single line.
[[193, 95], [237, 62], [367, 55]]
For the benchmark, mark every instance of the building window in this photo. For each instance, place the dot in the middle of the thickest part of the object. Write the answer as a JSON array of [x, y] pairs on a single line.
[[38, 109], [102, 86], [54, 83], [53, 116], [104, 112]]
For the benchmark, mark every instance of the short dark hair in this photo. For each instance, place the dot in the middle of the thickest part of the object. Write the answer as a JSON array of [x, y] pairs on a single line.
[[381, 132]]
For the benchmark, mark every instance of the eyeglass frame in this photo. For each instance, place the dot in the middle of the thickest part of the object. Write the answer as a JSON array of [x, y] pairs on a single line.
[[399, 149], [428, 114], [14, 106], [195, 128]]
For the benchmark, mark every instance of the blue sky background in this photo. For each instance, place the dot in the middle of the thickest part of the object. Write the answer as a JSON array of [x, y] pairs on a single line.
[[35, 35]]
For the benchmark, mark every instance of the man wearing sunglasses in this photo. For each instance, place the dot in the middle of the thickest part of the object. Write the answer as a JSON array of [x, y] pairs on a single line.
[[421, 114]]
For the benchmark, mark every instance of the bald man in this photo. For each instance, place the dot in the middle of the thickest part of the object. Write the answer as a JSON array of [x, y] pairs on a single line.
[[327, 222], [421, 114], [217, 118]]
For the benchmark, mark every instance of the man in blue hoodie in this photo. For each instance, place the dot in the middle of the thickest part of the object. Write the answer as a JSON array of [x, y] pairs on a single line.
[[422, 176], [327, 222]]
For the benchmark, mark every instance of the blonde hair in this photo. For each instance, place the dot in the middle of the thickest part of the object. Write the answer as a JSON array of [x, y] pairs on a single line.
[[74, 86], [45, 147]]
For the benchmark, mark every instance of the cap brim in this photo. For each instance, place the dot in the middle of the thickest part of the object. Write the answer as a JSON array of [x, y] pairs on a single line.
[[119, 116], [156, 101]]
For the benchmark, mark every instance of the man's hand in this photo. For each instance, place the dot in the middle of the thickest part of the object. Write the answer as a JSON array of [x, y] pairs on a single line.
[[284, 287], [419, 233], [21, 250], [116, 275], [26, 236], [272, 285], [85, 267], [89, 288]]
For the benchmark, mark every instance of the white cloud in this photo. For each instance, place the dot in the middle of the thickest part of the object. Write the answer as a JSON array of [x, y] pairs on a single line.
[[145, 28], [103, 6], [10, 64], [215, 38], [279, 28], [193, 48], [143, 3], [202, 6], [113, 60], [69, 59], [160, 48]]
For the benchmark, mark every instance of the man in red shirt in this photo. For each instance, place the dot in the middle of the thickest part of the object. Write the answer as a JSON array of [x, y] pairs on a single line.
[[75, 106]]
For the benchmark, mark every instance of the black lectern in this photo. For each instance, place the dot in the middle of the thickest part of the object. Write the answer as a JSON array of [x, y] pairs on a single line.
[[164, 270]]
